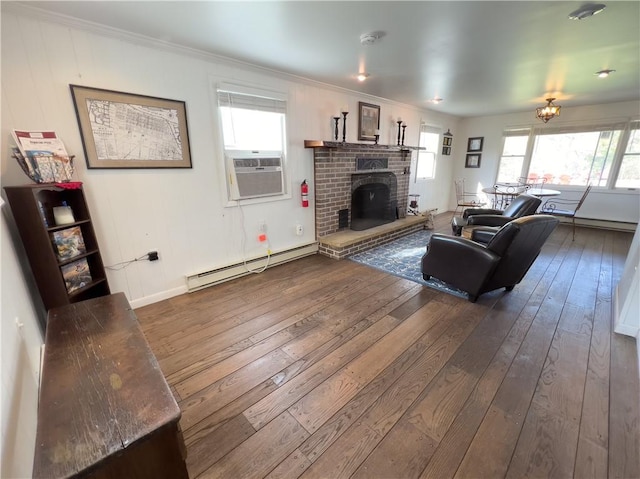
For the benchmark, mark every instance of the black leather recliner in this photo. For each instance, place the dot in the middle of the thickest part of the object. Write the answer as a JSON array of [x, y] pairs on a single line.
[[477, 268], [522, 205]]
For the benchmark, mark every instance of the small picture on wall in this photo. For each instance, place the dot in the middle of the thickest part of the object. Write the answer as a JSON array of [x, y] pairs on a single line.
[[475, 144], [473, 161]]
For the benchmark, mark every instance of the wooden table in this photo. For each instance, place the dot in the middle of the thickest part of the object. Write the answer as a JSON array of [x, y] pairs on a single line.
[[105, 410]]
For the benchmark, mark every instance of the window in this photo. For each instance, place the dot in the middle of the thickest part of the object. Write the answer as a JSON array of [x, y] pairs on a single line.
[[513, 154], [253, 122], [573, 156], [426, 162], [629, 174]]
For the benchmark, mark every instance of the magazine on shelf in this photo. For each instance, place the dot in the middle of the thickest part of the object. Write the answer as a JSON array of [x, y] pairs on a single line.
[[69, 243], [76, 275], [44, 156]]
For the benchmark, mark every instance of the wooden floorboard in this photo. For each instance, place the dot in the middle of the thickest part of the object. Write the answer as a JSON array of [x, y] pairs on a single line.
[[330, 369]]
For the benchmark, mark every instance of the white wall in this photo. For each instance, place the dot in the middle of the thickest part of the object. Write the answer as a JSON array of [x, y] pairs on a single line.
[[623, 206], [20, 340], [627, 296]]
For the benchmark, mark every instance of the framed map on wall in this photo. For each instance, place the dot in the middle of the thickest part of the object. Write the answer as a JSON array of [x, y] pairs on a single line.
[[124, 130]]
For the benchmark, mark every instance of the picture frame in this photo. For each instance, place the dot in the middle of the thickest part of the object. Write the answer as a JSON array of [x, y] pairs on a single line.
[[69, 243], [368, 121], [126, 130], [76, 275], [475, 144], [473, 160]]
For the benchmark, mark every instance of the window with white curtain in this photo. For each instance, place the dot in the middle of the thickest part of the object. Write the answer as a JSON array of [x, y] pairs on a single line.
[[426, 159], [252, 120]]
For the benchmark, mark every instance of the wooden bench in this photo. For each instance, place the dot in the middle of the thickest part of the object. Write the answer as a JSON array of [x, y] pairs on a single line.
[[105, 409]]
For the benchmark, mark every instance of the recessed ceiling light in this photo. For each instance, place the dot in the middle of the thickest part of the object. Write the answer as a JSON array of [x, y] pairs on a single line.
[[362, 76], [604, 73], [436, 100], [587, 10]]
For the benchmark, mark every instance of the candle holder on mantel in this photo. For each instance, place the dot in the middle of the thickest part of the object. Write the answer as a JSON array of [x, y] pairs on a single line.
[[399, 122], [344, 126], [335, 131], [404, 125]]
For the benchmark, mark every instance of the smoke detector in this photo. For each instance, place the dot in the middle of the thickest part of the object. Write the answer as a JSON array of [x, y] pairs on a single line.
[[369, 38]]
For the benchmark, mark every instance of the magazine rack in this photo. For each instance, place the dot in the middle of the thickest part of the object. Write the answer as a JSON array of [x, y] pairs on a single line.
[[64, 258], [46, 168]]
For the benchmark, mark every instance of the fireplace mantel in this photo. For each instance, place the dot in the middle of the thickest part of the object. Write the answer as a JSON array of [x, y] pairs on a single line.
[[362, 146]]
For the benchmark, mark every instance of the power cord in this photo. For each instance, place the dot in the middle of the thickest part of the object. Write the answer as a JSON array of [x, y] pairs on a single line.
[[124, 264], [243, 244]]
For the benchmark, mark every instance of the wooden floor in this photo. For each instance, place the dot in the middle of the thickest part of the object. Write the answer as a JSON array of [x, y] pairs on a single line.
[[325, 368]]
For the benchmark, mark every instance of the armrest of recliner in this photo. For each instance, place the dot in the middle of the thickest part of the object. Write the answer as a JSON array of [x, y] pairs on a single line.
[[480, 211], [458, 261], [488, 220]]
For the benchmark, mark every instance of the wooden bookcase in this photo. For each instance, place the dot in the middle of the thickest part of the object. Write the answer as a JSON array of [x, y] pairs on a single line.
[[60, 279]]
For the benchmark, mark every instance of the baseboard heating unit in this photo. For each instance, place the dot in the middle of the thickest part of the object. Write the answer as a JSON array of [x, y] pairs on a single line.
[[215, 276]]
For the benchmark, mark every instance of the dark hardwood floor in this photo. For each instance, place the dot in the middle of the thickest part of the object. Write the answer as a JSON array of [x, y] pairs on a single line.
[[324, 368]]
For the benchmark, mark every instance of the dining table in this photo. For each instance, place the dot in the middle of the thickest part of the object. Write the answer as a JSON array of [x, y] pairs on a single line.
[[504, 194], [539, 192]]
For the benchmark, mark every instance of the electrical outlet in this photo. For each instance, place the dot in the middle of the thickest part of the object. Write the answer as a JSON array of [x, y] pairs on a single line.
[[299, 230], [262, 226]]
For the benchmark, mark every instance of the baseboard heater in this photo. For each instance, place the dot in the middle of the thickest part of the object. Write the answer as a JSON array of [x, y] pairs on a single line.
[[602, 224], [198, 281]]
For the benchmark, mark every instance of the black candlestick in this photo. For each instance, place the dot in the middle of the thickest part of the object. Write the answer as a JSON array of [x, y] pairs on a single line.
[[335, 132], [399, 122], [344, 126], [403, 127]]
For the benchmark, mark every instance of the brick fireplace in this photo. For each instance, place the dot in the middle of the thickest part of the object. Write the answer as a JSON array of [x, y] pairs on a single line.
[[339, 169]]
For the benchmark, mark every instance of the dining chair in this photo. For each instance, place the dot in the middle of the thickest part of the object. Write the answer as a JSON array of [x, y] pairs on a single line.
[[505, 193], [565, 208], [465, 199], [532, 181]]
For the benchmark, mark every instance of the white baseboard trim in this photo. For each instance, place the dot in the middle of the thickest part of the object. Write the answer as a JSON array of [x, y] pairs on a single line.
[[604, 224], [215, 276], [154, 298]]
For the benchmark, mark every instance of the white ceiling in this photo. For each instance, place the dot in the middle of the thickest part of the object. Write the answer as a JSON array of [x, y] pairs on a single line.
[[480, 57]]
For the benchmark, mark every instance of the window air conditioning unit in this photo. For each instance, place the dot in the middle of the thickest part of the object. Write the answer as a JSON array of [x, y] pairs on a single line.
[[254, 174]]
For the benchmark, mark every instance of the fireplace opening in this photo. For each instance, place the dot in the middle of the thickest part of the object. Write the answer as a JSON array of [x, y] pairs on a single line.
[[373, 201]]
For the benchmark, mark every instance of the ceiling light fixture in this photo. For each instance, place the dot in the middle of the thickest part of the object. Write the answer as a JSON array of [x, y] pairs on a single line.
[[362, 76], [436, 100], [548, 111], [604, 73], [587, 10]]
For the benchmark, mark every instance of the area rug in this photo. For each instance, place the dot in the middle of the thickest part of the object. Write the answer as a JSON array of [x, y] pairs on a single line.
[[402, 257]]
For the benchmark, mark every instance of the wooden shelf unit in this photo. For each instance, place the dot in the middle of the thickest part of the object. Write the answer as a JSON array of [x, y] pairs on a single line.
[[32, 208]]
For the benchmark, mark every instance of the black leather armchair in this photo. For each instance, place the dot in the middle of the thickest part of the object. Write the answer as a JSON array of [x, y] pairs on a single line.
[[522, 205], [477, 268]]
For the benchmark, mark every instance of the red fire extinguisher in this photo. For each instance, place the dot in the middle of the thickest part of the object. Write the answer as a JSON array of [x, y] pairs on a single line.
[[304, 192]]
